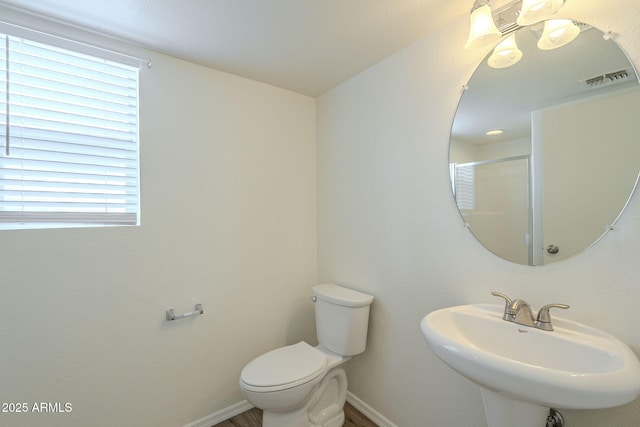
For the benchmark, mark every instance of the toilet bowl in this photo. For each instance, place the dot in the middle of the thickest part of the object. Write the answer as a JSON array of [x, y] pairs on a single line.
[[304, 386], [297, 385]]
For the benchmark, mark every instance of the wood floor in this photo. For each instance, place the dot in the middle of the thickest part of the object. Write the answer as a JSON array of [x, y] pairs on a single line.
[[253, 418]]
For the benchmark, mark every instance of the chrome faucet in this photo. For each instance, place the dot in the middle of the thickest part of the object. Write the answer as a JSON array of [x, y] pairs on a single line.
[[519, 311]]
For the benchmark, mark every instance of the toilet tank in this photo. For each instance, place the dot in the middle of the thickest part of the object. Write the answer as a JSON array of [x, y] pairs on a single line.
[[342, 319]]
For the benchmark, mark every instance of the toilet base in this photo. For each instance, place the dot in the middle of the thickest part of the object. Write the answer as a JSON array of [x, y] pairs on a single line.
[[324, 409], [296, 418]]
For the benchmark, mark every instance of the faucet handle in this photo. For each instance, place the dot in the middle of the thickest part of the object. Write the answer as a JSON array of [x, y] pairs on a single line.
[[544, 319], [507, 300], [507, 303]]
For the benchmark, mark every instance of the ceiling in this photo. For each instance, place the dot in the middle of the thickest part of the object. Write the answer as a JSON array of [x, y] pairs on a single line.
[[307, 46]]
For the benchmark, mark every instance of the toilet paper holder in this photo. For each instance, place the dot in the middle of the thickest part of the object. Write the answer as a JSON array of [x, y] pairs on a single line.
[[172, 316]]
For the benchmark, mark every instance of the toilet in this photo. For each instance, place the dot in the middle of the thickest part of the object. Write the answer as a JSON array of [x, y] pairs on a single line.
[[304, 386]]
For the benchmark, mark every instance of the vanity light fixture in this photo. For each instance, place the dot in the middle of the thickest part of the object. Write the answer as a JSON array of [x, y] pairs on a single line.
[[557, 33], [534, 11], [483, 30], [505, 54]]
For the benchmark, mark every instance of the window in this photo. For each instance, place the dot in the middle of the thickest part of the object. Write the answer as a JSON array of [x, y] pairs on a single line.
[[68, 137], [464, 185]]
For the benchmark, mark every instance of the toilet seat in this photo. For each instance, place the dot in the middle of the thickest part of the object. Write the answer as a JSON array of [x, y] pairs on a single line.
[[284, 368]]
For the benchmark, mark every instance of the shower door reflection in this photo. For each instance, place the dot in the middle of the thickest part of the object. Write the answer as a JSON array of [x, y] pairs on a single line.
[[494, 197]]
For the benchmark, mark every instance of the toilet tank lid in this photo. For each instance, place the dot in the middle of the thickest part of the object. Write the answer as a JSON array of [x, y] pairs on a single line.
[[341, 296]]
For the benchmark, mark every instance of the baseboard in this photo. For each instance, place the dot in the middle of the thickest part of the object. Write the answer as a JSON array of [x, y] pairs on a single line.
[[240, 407], [368, 411], [222, 415]]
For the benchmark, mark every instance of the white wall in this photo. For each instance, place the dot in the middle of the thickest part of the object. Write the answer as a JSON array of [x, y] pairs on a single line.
[[463, 152], [388, 225], [228, 220]]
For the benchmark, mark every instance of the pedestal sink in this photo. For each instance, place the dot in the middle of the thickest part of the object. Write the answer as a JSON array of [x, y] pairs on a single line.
[[523, 371]]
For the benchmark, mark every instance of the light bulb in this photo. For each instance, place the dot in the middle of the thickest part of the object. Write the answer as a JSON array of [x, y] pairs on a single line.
[[482, 29], [505, 54], [557, 33], [534, 11]]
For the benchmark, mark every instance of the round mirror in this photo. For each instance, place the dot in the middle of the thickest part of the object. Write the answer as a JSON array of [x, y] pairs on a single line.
[[544, 150]]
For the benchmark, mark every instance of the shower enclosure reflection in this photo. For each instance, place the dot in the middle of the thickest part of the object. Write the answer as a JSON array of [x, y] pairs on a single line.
[[495, 195]]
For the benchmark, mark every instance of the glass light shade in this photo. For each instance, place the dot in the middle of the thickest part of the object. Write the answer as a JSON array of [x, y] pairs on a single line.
[[505, 54], [534, 11], [557, 33], [483, 30]]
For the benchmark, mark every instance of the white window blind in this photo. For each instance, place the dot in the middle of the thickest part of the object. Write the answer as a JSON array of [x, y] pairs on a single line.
[[465, 188], [68, 136]]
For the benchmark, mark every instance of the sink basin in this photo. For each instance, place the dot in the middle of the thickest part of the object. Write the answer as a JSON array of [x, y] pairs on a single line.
[[574, 366]]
